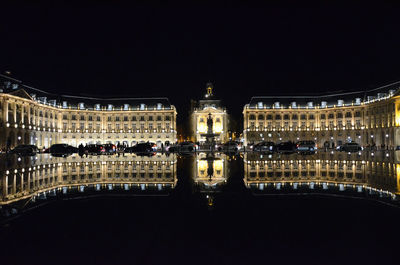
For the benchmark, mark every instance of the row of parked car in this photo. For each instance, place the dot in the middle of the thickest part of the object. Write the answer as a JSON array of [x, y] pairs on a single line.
[[93, 149], [183, 147], [301, 147]]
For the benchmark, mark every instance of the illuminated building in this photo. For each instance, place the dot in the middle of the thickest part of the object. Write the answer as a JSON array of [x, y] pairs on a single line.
[[368, 118], [210, 170], [32, 116], [376, 174], [200, 112], [46, 175]]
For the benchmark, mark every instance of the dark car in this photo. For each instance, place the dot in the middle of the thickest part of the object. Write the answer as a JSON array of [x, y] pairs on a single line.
[[95, 149], [286, 147], [25, 149], [62, 149], [230, 146], [264, 147], [110, 149], [141, 148], [184, 147], [306, 146], [350, 147]]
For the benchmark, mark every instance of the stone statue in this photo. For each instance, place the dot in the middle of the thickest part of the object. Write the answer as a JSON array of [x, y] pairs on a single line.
[[209, 124]]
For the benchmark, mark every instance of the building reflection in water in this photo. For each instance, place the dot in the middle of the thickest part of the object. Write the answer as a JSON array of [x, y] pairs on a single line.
[[210, 170], [363, 173], [31, 179], [44, 175]]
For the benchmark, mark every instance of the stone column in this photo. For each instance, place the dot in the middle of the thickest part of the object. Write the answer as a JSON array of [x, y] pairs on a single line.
[[15, 111]]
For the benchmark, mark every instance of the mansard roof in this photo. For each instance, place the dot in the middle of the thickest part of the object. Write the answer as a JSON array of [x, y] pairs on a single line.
[[18, 88], [334, 98]]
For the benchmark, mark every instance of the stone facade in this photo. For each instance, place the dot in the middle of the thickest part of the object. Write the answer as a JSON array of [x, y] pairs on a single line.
[[26, 119], [373, 121], [200, 112]]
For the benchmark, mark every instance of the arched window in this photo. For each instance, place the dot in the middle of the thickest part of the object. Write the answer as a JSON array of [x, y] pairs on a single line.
[[278, 117], [252, 117], [260, 117], [286, 117], [269, 117], [348, 114], [339, 115], [295, 117]]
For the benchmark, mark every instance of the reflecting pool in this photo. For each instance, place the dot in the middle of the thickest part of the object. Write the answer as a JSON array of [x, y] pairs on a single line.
[[228, 208]]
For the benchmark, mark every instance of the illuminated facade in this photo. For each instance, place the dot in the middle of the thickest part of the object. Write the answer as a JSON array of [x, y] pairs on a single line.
[[49, 175], [377, 172], [210, 169], [368, 118], [200, 112], [26, 118]]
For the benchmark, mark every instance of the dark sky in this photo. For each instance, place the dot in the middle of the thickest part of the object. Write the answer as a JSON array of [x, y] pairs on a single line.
[[118, 49]]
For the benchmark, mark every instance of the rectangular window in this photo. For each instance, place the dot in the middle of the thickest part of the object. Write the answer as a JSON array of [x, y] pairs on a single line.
[[286, 125]]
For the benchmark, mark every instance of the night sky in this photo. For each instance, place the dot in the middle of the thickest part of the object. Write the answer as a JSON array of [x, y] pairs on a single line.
[[117, 49]]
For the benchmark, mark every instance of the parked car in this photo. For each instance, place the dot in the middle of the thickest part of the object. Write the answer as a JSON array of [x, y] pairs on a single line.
[[62, 149], [350, 147], [183, 147], [264, 147], [286, 147], [25, 149], [230, 146], [110, 148], [141, 148], [95, 149], [306, 146]]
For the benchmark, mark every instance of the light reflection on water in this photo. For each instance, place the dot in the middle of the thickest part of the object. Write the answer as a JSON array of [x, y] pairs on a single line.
[[29, 180]]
